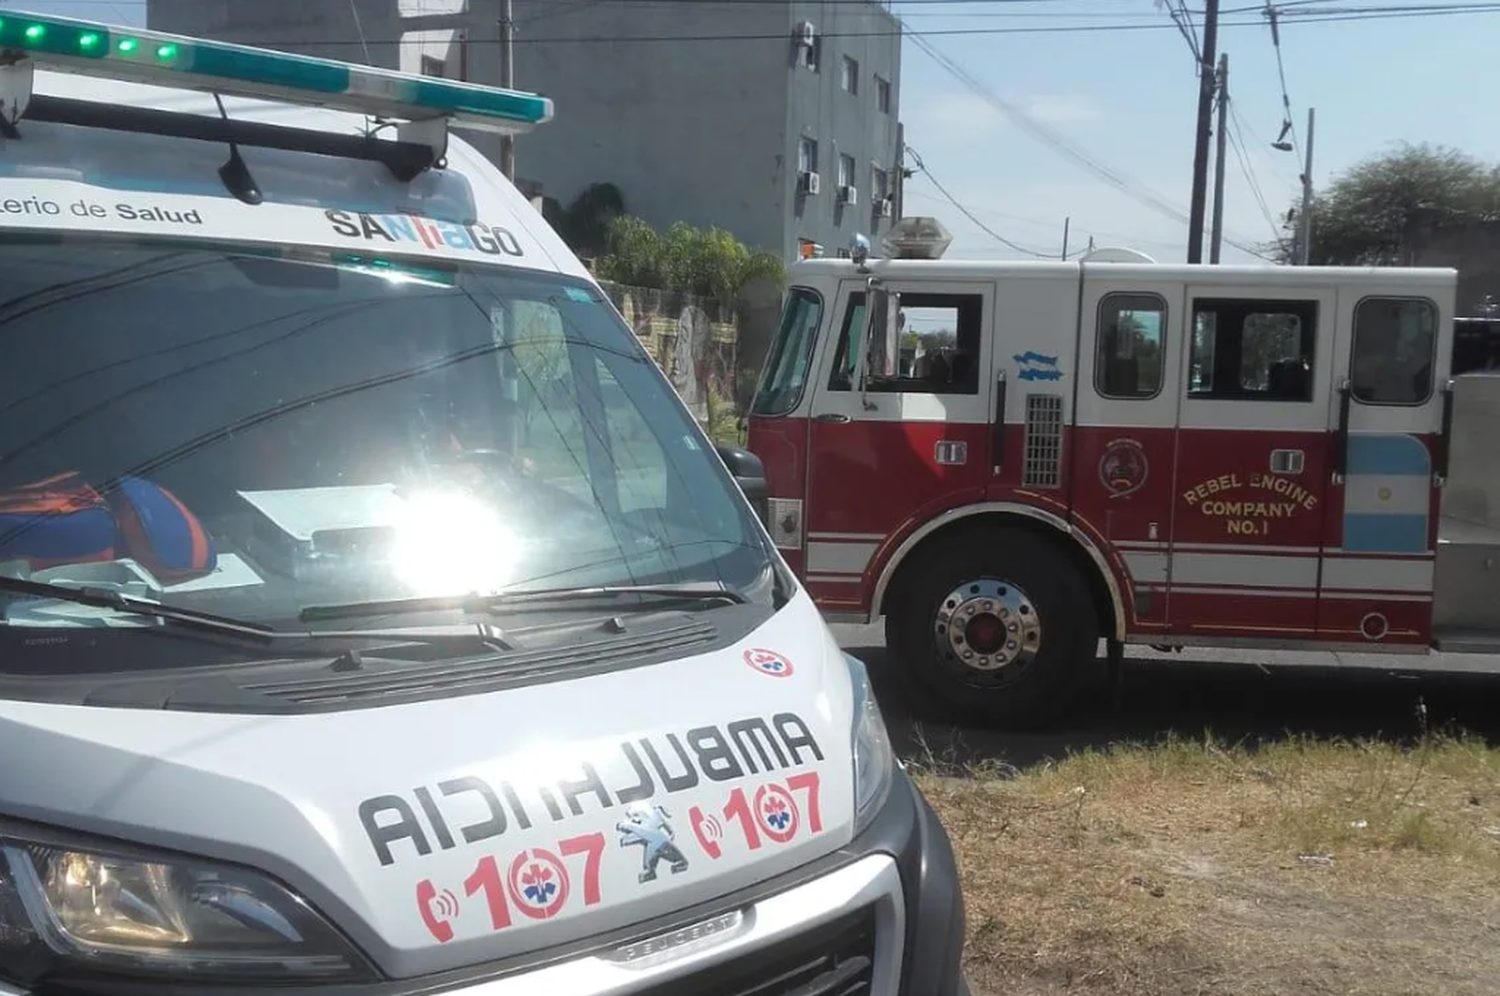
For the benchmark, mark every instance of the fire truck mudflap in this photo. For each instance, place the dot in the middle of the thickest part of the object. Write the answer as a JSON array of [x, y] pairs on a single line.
[[1009, 461]]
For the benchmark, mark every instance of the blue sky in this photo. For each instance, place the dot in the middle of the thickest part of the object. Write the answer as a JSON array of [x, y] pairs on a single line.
[[1128, 98]]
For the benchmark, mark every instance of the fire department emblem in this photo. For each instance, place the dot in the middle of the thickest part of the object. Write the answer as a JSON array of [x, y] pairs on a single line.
[[1123, 467]]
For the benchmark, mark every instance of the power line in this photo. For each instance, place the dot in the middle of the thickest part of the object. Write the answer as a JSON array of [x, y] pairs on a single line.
[[921, 167], [1237, 140], [1347, 14], [1048, 136]]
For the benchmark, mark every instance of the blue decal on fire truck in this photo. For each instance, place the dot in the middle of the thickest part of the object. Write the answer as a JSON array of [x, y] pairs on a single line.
[[1037, 366], [1387, 494]]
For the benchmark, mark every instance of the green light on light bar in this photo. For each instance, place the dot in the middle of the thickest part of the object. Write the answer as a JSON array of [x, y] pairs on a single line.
[[166, 60]]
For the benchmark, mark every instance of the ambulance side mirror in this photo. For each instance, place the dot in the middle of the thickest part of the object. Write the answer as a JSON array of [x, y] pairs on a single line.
[[750, 474]]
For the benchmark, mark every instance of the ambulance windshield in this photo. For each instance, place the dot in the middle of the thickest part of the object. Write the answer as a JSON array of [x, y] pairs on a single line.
[[243, 434]]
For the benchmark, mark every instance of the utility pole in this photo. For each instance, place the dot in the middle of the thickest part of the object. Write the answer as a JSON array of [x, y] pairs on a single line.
[[507, 80], [1066, 222], [1216, 239], [1304, 221], [1204, 126], [900, 178]]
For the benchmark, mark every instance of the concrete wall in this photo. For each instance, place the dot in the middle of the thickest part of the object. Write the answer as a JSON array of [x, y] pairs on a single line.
[[698, 124]]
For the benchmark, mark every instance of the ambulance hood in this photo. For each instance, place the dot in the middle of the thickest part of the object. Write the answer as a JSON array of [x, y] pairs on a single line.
[[464, 830]]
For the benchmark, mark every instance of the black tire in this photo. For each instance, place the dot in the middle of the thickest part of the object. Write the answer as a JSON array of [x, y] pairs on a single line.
[[1028, 682]]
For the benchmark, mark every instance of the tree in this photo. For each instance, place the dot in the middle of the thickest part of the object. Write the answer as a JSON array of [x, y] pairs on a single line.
[[706, 262], [584, 224], [1364, 215]]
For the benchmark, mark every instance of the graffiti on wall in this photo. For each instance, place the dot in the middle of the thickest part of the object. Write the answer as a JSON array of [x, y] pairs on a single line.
[[692, 340]]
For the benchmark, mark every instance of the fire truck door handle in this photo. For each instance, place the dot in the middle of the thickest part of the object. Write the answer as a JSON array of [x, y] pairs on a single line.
[[835, 417], [1445, 441], [997, 427], [1340, 455]]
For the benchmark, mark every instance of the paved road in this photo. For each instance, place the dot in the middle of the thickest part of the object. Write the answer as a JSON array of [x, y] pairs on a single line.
[[1231, 692]]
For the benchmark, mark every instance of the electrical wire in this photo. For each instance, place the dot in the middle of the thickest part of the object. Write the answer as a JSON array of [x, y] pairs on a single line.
[[1302, 16], [921, 167], [1241, 153]]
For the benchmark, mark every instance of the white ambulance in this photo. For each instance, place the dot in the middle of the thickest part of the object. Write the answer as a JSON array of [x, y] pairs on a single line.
[[374, 619]]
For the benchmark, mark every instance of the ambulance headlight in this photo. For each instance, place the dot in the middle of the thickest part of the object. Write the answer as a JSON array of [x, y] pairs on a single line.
[[71, 911], [874, 758]]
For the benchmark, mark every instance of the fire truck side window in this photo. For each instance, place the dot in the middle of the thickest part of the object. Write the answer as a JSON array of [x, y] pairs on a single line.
[[1391, 362], [1253, 350], [1130, 343], [941, 336], [787, 367]]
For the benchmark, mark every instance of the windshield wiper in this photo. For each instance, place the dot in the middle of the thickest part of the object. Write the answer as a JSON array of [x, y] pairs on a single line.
[[105, 598], [480, 638], [508, 599]]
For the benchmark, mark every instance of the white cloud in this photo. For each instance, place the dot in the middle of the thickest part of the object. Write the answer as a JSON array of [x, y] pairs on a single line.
[[1060, 108]]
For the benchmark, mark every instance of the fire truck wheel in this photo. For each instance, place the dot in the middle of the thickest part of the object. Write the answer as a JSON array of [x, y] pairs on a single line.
[[999, 625]]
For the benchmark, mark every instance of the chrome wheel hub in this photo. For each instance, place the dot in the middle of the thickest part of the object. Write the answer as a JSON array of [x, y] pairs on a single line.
[[987, 625]]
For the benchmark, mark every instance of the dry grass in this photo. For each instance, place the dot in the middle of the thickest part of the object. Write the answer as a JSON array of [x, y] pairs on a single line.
[[1192, 867]]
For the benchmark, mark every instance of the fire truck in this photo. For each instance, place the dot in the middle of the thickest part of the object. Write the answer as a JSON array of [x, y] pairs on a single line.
[[1010, 461]]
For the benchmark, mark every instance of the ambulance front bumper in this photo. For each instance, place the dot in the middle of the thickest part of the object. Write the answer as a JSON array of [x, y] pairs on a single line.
[[883, 916]]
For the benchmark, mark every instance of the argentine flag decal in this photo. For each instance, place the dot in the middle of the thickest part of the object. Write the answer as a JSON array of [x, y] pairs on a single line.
[[1387, 494]]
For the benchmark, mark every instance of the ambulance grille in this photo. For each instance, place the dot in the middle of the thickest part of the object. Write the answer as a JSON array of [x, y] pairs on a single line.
[[836, 959], [1044, 441]]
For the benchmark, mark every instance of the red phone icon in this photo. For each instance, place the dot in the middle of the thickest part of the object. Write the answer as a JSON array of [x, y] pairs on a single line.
[[437, 909], [708, 830]]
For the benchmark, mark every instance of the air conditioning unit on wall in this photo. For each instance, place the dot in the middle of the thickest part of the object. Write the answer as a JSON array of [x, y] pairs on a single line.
[[849, 195], [883, 208], [810, 184]]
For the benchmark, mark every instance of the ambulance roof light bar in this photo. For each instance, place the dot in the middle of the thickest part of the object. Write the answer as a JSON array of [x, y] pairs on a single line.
[[152, 57], [917, 238]]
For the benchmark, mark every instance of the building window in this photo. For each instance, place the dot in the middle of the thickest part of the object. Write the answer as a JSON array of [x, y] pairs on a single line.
[[883, 95], [1249, 350], [1392, 356], [807, 155], [850, 79], [880, 184], [1128, 349], [846, 171], [433, 67]]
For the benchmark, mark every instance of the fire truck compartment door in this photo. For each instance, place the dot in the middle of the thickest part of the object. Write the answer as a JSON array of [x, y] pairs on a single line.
[[1253, 446], [1378, 569], [1124, 452], [907, 446]]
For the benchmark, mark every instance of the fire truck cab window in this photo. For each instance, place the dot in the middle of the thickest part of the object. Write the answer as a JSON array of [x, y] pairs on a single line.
[[1253, 350], [1130, 341], [940, 336], [1391, 362], [787, 366]]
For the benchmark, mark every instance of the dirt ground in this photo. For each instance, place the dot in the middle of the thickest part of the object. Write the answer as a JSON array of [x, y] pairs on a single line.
[[1190, 867]]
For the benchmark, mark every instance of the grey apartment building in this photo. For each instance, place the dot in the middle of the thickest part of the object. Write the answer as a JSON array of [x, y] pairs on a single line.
[[775, 120]]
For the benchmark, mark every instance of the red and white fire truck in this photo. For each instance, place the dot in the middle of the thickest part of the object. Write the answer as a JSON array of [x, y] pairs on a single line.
[[1011, 460]]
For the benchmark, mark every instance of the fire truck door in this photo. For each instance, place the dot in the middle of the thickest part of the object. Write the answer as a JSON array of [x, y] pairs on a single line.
[[1377, 577], [911, 444], [1124, 449], [1252, 462]]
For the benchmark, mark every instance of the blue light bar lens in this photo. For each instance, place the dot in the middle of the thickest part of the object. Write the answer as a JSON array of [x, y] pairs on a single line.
[[398, 93]]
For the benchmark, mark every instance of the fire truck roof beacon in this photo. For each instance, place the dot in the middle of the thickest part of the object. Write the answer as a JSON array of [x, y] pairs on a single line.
[[917, 238], [859, 248]]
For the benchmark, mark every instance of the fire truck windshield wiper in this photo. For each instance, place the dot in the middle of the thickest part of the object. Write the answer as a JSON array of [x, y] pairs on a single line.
[[713, 592]]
